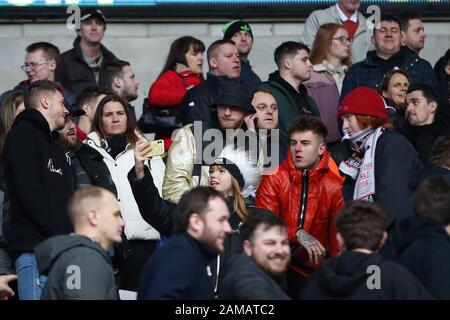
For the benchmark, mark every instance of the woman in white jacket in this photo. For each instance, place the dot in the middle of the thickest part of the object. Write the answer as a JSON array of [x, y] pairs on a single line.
[[115, 136]]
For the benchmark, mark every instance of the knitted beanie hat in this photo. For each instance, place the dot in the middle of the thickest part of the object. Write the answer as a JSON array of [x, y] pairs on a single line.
[[241, 164], [234, 26], [364, 101]]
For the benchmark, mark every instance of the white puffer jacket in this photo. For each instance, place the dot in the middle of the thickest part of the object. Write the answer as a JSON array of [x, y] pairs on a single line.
[[135, 226]]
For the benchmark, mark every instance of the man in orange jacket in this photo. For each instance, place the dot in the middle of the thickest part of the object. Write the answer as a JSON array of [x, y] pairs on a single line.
[[306, 191]]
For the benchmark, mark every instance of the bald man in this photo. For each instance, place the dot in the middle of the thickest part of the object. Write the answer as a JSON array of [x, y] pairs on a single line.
[[77, 265]]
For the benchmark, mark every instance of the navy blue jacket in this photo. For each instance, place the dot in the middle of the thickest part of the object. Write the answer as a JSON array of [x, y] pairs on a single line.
[[423, 246], [248, 76], [369, 73], [396, 165], [347, 276], [178, 271]]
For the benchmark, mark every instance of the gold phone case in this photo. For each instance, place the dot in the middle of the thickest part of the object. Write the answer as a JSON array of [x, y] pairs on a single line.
[[157, 148]]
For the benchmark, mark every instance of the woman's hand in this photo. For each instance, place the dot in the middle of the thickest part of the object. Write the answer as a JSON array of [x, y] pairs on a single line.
[[141, 149], [250, 121]]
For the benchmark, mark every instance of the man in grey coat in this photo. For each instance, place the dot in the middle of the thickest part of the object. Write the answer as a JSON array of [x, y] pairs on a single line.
[[344, 12], [77, 265]]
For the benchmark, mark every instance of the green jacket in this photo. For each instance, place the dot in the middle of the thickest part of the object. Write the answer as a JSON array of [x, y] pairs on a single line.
[[288, 111]]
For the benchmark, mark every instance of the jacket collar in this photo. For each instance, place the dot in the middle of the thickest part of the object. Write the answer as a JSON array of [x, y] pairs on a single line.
[[207, 253], [79, 54], [35, 117], [344, 18], [95, 139], [210, 77], [326, 66], [322, 167]]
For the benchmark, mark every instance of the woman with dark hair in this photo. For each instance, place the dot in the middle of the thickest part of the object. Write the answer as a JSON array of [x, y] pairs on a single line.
[[383, 162], [115, 137], [330, 56], [393, 89], [181, 72]]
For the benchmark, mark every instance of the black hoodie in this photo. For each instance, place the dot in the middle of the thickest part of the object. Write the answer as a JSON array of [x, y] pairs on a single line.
[[77, 267], [348, 277], [38, 181], [423, 246]]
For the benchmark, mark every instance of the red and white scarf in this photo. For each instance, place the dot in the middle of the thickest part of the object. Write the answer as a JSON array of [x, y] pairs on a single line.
[[364, 141]]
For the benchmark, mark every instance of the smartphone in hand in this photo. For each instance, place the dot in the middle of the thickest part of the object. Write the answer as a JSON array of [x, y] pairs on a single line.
[[157, 148]]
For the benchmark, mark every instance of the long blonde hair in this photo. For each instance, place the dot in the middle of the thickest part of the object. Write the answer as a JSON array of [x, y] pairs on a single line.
[[239, 200]]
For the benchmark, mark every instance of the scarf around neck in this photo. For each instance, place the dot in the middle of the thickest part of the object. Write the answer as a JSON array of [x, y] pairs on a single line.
[[363, 170]]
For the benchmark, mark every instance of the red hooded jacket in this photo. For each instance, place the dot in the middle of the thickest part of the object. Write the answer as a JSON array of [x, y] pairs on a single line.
[[281, 192]]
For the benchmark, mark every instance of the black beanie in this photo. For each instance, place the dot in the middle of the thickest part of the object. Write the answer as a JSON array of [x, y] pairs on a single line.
[[232, 169], [235, 26]]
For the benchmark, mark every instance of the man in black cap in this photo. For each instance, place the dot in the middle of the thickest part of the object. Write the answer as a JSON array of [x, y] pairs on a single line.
[[79, 67], [224, 67], [241, 34], [195, 147]]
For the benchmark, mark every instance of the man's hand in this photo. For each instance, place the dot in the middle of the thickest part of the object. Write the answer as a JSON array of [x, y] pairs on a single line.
[[141, 148], [5, 291], [316, 251], [250, 121]]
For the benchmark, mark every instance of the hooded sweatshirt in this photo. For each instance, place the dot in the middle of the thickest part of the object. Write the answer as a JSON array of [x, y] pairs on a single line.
[[352, 274], [38, 181], [77, 268], [418, 240]]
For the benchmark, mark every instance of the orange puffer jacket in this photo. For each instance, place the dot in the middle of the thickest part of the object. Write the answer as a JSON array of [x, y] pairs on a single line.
[[281, 193]]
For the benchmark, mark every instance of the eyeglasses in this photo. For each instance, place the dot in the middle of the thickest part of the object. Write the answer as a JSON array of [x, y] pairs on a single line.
[[33, 65], [343, 40]]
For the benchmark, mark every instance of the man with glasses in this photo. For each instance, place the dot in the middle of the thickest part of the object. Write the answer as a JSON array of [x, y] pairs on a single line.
[[80, 66], [388, 54], [41, 60]]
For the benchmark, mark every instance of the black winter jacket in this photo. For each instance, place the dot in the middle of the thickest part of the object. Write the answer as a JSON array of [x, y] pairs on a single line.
[[92, 161], [197, 103], [161, 214], [396, 166], [38, 181], [370, 73], [77, 268], [243, 279], [74, 73], [423, 246]]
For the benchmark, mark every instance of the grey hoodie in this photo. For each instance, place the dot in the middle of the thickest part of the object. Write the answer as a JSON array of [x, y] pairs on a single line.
[[77, 268]]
